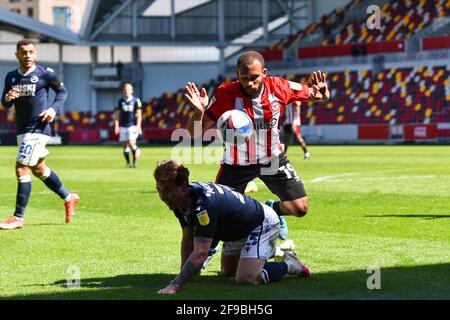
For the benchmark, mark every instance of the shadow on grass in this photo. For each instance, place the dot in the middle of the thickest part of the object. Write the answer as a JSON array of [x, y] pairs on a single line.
[[424, 216], [412, 282]]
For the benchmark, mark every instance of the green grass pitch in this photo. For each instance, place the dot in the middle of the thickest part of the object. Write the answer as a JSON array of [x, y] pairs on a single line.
[[370, 206]]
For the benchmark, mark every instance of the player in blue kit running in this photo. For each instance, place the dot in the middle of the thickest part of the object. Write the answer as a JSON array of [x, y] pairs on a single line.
[[27, 89], [128, 119], [209, 213]]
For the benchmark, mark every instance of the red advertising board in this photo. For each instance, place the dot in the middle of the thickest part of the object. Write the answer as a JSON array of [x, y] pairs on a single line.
[[85, 136], [373, 132], [439, 42], [346, 49], [414, 132], [272, 55]]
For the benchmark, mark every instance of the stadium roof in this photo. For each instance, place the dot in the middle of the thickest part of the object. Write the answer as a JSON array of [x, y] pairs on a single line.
[[163, 7], [220, 23], [194, 22], [31, 28]]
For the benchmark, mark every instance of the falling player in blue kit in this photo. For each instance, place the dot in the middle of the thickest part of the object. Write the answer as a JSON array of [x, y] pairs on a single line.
[[127, 123], [209, 213], [27, 89]]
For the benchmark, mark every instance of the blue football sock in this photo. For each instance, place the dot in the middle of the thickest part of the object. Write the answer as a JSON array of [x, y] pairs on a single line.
[[53, 182], [126, 154], [274, 271], [23, 195], [133, 151]]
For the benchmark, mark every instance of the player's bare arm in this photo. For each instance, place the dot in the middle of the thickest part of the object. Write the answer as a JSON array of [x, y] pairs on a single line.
[[199, 100], [187, 245], [191, 267], [139, 121], [116, 123], [48, 115]]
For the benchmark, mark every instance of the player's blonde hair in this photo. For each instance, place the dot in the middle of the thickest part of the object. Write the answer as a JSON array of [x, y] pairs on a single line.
[[171, 171]]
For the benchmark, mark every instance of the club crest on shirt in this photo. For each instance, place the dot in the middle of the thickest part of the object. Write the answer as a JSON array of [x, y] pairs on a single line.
[[275, 106], [203, 218], [34, 79]]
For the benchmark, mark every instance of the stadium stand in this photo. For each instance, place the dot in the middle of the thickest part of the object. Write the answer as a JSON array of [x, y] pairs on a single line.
[[389, 97], [393, 96], [419, 95], [343, 32]]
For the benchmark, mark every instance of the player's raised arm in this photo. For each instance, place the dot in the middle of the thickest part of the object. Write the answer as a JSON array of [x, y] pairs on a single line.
[[318, 81], [192, 266], [315, 89], [199, 100]]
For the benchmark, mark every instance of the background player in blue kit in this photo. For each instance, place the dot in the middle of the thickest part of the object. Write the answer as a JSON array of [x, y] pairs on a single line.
[[209, 213], [128, 119], [27, 89]]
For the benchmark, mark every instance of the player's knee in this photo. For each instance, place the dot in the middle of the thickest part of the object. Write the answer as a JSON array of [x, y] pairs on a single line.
[[22, 171], [41, 171], [246, 279], [300, 209], [38, 172]]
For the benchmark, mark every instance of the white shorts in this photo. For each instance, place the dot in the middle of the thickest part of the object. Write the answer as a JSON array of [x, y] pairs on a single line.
[[31, 148], [261, 243], [128, 133], [297, 122]]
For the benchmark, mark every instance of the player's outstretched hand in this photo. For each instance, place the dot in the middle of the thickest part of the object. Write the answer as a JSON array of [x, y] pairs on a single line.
[[197, 99], [318, 80], [48, 115], [170, 289]]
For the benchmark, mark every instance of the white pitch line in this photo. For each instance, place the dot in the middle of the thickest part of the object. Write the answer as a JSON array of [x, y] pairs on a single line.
[[386, 178], [320, 179], [372, 178]]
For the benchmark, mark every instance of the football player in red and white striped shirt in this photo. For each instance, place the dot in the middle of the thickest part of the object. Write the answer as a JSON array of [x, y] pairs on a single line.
[[291, 125], [263, 98]]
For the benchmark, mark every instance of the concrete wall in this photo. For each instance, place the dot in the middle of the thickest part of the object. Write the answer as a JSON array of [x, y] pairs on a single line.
[[76, 80], [164, 77], [330, 133]]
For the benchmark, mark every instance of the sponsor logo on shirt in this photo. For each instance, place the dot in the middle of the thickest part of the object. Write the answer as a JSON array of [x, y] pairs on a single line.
[[26, 90], [203, 218], [266, 125], [275, 106], [34, 79]]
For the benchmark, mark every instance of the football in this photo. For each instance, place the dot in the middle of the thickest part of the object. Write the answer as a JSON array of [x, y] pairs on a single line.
[[235, 127]]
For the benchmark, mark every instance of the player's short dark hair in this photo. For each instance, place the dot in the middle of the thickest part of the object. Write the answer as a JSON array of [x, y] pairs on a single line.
[[127, 83], [25, 42], [249, 57], [171, 171]]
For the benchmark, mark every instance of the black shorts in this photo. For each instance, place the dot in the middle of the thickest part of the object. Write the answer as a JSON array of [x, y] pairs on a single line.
[[281, 180], [287, 128]]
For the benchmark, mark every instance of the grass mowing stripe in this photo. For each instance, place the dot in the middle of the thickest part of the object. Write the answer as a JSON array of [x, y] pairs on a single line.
[[384, 206]]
